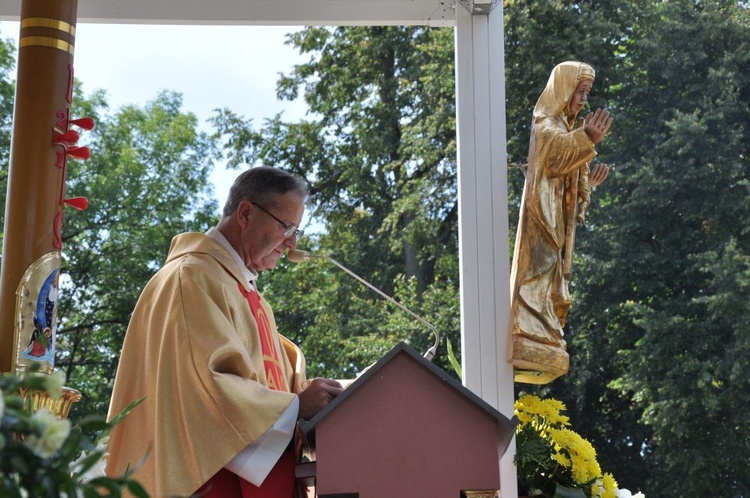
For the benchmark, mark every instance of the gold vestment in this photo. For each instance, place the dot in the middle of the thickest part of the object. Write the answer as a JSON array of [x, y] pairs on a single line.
[[192, 350]]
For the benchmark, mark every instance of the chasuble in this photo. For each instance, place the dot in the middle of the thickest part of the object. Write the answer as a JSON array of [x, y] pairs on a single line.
[[194, 351]]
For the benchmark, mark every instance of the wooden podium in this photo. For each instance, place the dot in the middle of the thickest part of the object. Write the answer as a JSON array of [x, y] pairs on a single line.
[[404, 429]]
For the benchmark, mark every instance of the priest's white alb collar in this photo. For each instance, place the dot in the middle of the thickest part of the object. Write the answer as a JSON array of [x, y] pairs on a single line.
[[250, 275]]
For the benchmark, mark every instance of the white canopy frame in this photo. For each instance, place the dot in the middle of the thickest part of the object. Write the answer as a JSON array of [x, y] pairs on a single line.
[[482, 155]]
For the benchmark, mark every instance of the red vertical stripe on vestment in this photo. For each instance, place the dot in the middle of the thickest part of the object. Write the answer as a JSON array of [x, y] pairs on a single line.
[[275, 378]]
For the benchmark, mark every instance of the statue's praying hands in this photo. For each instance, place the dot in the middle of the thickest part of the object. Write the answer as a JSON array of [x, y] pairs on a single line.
[[597, 124], [598, 175]]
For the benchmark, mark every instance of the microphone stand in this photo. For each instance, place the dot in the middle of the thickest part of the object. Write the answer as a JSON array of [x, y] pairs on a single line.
[[298, 255]]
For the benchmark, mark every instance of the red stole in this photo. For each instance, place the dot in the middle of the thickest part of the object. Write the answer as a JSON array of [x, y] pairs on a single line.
[[278, 484], [280, 481], [275, 378]]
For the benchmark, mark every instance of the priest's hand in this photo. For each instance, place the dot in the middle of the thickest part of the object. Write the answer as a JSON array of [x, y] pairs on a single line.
[[316, 396]]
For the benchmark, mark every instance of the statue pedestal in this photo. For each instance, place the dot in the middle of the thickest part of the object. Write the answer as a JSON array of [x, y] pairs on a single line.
[[536, 363]]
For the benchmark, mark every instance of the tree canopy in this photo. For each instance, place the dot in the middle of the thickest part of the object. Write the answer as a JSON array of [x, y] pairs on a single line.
[[378, 150], [146, 180]]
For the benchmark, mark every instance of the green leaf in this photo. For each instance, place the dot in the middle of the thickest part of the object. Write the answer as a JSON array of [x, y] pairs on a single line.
[[137, 490], [116, 420], [454, 361], [565, 492]]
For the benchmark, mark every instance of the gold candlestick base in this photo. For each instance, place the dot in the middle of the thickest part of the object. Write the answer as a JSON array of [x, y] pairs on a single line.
[[60, 406]]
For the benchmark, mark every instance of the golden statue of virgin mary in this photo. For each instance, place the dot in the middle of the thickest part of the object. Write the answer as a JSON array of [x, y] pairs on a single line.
[[555, 195]]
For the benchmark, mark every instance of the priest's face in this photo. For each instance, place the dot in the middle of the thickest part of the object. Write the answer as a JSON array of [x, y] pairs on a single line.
[[264, 234]]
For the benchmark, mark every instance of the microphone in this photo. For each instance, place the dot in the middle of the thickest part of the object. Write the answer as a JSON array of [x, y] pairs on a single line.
[[297, 256]]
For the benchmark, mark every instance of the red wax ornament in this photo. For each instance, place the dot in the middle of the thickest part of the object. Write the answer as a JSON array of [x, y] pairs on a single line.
[[79, 203], [68, 138], [78, 152], [86, 123]]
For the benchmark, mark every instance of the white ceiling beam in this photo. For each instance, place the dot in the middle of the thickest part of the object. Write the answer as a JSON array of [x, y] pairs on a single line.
[[258, 12]]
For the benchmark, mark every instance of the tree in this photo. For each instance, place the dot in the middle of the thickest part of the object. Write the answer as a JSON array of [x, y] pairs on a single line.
[[146, 181], [379, 154], [7, 64], [681, 225]]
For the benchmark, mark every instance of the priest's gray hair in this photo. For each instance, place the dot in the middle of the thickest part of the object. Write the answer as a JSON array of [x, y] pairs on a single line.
[[262, 184]]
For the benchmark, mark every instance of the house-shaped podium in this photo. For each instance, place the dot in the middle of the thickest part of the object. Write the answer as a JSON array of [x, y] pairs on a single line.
[[405, 428]]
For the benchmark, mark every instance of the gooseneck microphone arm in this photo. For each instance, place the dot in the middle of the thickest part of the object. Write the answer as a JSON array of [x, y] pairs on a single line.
[[297, 256]]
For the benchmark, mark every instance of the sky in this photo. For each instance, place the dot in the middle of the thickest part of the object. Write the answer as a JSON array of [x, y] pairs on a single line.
[[211, 66]]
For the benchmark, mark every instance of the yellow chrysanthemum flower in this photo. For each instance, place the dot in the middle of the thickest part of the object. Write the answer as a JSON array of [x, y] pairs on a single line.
[[543, 413], [582, 454], [610, 486], [523, 418], [568, 448], [584, 470], [561, 459]]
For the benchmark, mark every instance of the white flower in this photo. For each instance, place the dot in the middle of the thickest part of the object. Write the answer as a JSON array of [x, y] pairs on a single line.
[[98, 469], [624, 493], [54, 384], [2, 406], [54, 433]]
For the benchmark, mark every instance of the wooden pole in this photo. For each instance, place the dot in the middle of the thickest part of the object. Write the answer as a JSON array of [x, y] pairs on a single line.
[[40, 145]]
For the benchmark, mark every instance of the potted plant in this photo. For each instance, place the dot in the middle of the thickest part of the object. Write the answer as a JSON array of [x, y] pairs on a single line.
[[552, 460]]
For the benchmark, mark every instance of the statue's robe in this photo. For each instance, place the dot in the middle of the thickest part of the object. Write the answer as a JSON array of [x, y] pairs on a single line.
[[558, 161]]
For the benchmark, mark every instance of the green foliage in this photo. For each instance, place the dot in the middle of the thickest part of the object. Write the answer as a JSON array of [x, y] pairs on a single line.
[[565, 492], [146, 180], [42, 455], [378, 151], [684, 208], [453, 360], [7, 89]]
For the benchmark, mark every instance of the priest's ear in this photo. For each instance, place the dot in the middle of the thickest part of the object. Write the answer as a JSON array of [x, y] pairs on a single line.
[[243, 213]]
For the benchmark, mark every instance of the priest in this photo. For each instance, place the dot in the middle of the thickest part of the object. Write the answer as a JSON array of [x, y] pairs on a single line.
[[222, 389]]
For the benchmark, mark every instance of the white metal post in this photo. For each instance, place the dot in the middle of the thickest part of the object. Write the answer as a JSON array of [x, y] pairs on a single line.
[[483, 216]]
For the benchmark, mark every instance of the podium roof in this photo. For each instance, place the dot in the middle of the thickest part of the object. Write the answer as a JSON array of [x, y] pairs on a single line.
[[439, 374]]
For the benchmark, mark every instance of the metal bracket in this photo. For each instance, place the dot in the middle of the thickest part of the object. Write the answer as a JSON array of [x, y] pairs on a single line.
[[479, 7]]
